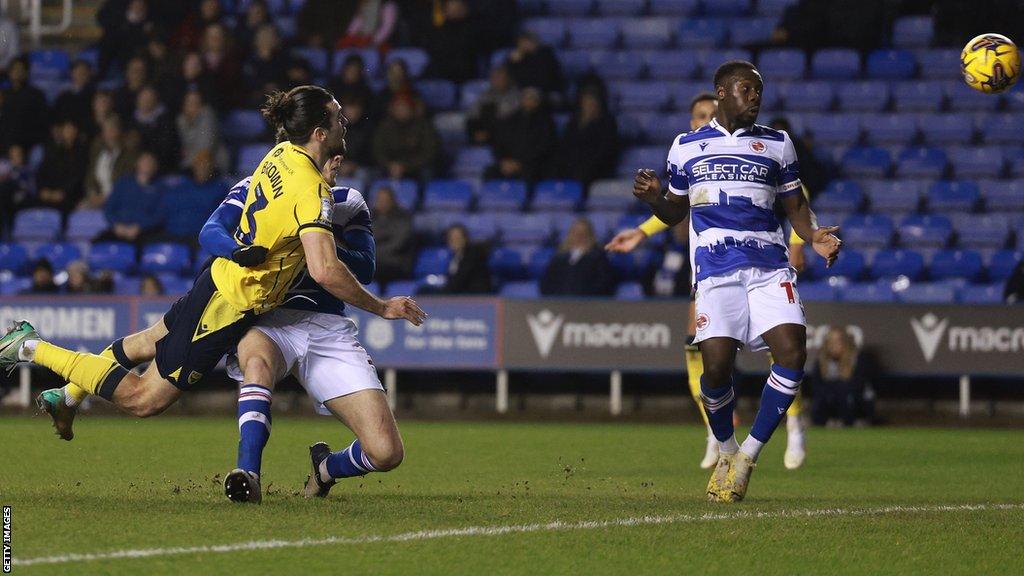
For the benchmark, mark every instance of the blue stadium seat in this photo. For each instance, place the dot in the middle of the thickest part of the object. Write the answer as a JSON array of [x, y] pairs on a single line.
[[894, 196], [416, 59], [114, 256], [953, 196], [524, 228], [604, 224], [917, 96], [407, 191], [448, 196], [37, 224], [868, 230], [866, 161], [670, 64], [850, 264], [538, 261], [1003, 195], [981, 230], [274, 7], [925, 231], [58, 254], [863, 96], [653, 32], [502, 196], [48, 65], [550, 31], [662, 129], [888, 64], [620, 7], [782, 63], [817, 291], [13, 258], [702, 33], [571, 7], [1014, 157], [866, 292], [963, 98], [727, 8], [921, 162], [976, 161], [840, 196], [126, 285], [200, 261], [939, 63], [557, 195], [432, 261], [928, 293], [451, 126], [982, 293], [14, 286], [835, 64], [509, 264], [956, 264], [710, 60], [523, 290], [652, 157], [481, 226], [946, 128], [774, 7], [176, 285], [85, 224], [575, 63], [165, 257], [611, 195], [438, 94], [651, 96], [809, 96], [1002, 263], [891, 263], [683, 92], [249, 157], [751, 31], [674, 7], [1003, 129], [635, 265], [243, 126], [472, 161], [317, 58], [402, 288], [629, 291], [618, 64], [833, 128], [889, 128], [595, 32], [432, 225], [913, 31]]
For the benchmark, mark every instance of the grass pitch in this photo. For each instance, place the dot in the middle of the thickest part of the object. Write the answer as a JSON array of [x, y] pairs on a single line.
[[870, 501]]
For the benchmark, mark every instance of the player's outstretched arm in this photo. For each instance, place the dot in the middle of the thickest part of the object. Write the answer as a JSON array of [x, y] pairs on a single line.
[[823, 240], [215, 237], [647, 188], [332, 275]]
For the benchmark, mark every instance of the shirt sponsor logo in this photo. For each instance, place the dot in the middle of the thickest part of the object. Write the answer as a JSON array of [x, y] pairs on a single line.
[[729, 168]]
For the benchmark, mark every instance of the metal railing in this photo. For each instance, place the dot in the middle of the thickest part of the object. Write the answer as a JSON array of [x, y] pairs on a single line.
[[30, 13]]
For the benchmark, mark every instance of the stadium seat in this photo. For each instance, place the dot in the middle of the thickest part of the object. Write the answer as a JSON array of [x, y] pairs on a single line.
[[249, 157], [52, 65], [917, 96], [1014, 157], [710, 60], [868, 293], [835, 64], [244, 126], [509, 264], [550, 31], [888, 64], [953, 196], [925, 231], [981, 230], [432, 261], [451, 126], [782, 63], [635, 265], [727, 8], [817, 291], [866, 161], [502, 196], [629, 291], [85, 224], [431, 226], [670, 64], [868, 230], [1002, 263], [595, 32], [927, 293], [850, 264], [575, 63], [618, 64], [522, 290], [889, 263], [963, 98], [166, 257], [480, 226], [620, 7], [14, 286], [921, 162], [939, 63], [964, 264], [416, 59], [317, 58], [37, 224], [751, 31], [407, 192], [840, 196], [571, 7], [652, 157], [662, 129], [647, 33], [538, 261], [611, 195], [58, 254], [402, 288], [651, 96], [894, 196], [809, 96], [471, 162], [946, 128], [448, 196], [126, 285], [863, 96], [982, 293], [881, 129], [832, 128], [438, 94], [702, 33], [631, 128], [114, 256], [774, 7], [604, 224], [1003, 195], [557, 195], [1003, 129], [524, 228], [13, 258], [913, 31], [976, 161], [683, 92]]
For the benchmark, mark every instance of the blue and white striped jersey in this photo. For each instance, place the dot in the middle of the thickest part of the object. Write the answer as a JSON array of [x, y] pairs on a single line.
[[732, 181]]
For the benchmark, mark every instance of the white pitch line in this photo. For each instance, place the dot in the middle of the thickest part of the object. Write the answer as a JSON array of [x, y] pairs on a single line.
[[512, 529]]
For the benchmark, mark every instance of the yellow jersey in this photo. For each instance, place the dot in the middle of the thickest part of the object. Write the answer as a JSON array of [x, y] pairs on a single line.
[[287, 197]]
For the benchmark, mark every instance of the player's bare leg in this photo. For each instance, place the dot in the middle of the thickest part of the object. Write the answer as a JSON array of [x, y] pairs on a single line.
[[378, 446], [719, 399], [262, 365]]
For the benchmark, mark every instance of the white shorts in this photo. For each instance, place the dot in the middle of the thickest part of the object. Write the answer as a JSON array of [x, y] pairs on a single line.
[[746, 303], [322, 352]]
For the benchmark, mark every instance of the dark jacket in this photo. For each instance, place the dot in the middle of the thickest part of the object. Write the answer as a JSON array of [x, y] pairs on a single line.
[[589, 151], [468, 273], [24, 116], [526, 137], [539, 69], [590, 275], [413, 143]]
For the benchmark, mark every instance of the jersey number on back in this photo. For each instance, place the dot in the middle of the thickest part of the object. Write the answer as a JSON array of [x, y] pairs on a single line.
[[250, 217]]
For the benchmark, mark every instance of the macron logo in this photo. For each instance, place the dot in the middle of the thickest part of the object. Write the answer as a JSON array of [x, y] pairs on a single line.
[[703, 145], [929, 331], [544, 327]]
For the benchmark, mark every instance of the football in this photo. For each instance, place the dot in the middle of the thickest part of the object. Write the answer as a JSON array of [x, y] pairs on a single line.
[[990, 63]]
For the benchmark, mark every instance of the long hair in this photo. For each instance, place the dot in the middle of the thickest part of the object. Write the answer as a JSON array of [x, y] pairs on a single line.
[[297, 113]]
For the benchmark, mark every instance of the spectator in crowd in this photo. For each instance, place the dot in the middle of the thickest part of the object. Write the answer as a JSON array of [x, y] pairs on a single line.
[[297, 74], [524, 141], [111, 157], [17, 184], [454, 45], [42, 279], [405, 143], [372, 25], [813, 174], [61, 176], [467, 270], [358, 139], [590, 146], [150, 286], [189, 35], [352, 84], [126, 29], [163, 68], [841, 381], [580, 268], [136, 75], [497, 23], [495, 105], [266, 69], [80, 281], [103, 107], [155, 127], [199, 131], [533, 64], [672, 279], [132, 210], [256, 16], [24, 110], [393, 234], [10, 38], [192, 76], [398, 84], [186, 205], [320, 22], [222, 62], [1013, 293], [75, 103]]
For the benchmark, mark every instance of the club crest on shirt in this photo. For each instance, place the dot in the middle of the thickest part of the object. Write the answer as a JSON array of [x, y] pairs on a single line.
[[758, 146]]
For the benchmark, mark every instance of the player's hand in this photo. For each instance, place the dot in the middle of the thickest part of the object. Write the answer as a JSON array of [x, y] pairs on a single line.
[[626, 241], [646, 186], [249, 256], [827, 244], [403, 307]]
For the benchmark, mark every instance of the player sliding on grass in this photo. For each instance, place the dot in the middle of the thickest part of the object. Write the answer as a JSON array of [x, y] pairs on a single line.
[[726, 177], [702, 110], [287, 228]]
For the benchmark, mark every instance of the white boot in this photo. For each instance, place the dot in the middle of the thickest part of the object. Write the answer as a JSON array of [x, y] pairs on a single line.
[[795, 450], [710, 453]]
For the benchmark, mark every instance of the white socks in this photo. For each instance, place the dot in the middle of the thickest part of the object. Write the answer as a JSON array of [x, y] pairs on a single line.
[[27, 350], [729, 446], [752, 447]]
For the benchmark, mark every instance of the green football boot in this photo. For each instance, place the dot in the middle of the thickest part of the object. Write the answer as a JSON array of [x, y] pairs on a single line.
[[52, 402], [11, 343]]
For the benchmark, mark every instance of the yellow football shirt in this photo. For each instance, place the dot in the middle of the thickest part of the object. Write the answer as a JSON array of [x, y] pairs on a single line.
[[287, 197]]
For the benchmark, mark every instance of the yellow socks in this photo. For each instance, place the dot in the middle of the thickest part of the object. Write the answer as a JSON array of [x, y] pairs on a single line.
[[91, 373], [694, 370]]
